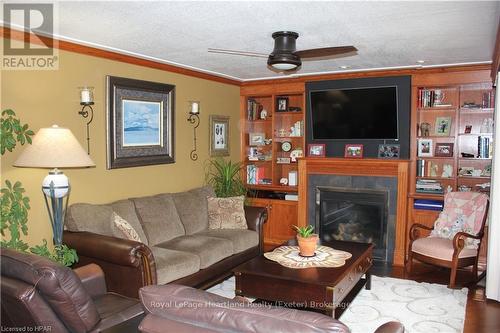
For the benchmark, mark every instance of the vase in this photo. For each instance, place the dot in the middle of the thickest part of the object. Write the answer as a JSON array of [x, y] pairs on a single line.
[[307, 245]]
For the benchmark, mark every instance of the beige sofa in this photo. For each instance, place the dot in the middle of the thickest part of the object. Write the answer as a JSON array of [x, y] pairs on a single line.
[[176, 243]]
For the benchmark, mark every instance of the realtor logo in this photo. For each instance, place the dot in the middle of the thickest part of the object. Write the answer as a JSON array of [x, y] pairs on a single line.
[[28, 42]]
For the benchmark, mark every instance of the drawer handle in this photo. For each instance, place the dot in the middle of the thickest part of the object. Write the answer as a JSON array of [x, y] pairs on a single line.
[[351, 279], [341, 290]]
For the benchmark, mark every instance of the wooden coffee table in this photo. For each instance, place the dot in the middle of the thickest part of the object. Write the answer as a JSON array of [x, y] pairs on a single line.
[[329, 290]]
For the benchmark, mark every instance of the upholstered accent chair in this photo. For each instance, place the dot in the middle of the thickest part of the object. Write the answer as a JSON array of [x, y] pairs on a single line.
[[455, 239]]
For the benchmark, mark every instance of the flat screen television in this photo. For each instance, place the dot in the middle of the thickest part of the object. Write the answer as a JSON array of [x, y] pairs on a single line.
[[359, 113], [370, 111]]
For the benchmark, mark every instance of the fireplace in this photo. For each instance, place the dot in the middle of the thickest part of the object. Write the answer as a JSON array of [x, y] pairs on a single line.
[[355, 214]]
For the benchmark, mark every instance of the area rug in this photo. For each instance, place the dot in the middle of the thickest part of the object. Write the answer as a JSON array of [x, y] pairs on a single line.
[[420, 307]]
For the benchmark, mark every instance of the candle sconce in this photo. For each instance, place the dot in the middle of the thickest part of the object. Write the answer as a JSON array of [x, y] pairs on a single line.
[[86, 101], [194, 119]]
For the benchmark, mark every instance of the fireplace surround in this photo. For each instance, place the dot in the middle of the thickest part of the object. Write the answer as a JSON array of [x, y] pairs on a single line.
[[373, 174]]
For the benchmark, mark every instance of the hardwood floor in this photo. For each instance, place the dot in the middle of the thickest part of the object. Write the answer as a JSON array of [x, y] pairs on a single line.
[[481, 316]]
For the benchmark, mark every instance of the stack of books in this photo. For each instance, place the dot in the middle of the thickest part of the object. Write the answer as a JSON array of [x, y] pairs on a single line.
[[484, 147], [253, 108], [429, 186], [428, 204]]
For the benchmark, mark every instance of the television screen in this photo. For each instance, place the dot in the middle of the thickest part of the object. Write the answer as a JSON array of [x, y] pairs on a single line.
[[360, 113]]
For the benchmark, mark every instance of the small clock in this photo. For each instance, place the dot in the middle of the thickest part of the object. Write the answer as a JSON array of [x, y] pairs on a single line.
[[286, 146]]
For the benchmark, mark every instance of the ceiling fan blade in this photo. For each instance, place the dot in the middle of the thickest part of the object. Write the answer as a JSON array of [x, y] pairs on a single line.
[[325, 51], [240, 53]]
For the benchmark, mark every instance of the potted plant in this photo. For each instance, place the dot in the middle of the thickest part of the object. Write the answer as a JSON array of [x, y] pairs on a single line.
[[308, 241], [225, 178]]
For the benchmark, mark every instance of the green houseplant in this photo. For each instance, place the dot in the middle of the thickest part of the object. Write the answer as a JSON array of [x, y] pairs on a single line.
[[14, 204], [225, 177], [307, 240]]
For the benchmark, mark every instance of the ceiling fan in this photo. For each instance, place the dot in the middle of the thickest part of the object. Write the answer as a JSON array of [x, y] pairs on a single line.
[[285, 56]]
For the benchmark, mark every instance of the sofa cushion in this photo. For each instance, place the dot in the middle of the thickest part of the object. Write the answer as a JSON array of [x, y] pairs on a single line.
[[172, 265], [159, 218], [126, 209], [242, 239], [91, 218], [192, 207], [209, 249], [226, 213]]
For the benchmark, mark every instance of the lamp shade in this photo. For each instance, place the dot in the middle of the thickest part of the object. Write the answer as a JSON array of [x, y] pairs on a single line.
[[54, 147]]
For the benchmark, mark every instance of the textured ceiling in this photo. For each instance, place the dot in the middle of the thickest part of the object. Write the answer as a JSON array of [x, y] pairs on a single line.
[[387, 34]]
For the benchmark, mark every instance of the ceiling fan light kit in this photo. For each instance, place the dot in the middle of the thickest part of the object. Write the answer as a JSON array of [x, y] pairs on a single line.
[[283, 57]]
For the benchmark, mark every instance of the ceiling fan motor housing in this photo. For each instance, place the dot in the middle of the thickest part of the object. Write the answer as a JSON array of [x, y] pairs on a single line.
[[284, 48]]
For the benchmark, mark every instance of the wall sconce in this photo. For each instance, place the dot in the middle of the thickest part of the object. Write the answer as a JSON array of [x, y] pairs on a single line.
[[194, 118], [86, 101]]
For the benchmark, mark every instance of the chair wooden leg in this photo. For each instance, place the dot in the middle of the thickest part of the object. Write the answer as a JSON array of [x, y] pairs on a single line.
[[409, 263]]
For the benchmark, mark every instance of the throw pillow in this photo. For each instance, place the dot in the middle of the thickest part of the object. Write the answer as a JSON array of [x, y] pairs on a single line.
[[226, 213], [127, 230]]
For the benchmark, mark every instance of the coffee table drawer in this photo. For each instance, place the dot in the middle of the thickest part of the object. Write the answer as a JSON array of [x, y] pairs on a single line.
[[350, 280]]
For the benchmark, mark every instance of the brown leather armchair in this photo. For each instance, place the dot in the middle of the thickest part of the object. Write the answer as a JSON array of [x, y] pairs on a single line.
[[121, 258], [41, 294], [181, 309]]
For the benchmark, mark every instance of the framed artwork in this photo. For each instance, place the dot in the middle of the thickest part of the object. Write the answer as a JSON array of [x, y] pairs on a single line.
[[219, 135], [353, 151], [140, 122], [443, 126], [444, 150], [281, 104], [316, 150], [256, 139], [388, 151], [424, 147]]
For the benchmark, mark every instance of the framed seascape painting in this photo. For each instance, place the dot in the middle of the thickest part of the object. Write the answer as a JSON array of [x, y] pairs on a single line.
[[140, 123], [219, 135]]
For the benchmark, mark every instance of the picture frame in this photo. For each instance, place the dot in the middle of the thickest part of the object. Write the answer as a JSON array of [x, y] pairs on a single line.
[[256, 139], [139, 122], [424, 147], [353, 151], [442, 126], [389, 151], [219, 135], [281, 104], [444, 150], [316, 150]]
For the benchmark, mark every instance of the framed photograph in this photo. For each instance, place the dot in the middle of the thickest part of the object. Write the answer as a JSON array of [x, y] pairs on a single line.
[[443, 126], [281, 104], [388, 151], [468, 129], [219, 135], [424, 147], [316, 150], [353, 151], [256, 139], [444, 150], [140, 122]]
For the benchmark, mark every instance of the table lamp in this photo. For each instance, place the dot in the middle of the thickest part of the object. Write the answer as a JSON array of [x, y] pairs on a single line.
[[55, 147]]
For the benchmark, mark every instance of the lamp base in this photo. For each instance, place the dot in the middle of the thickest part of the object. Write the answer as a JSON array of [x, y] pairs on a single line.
[[55, 188]]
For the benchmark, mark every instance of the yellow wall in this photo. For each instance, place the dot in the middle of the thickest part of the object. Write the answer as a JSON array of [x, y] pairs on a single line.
[[43, 98]]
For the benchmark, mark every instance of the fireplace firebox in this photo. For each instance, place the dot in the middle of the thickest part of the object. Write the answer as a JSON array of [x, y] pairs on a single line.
[[355, 214]]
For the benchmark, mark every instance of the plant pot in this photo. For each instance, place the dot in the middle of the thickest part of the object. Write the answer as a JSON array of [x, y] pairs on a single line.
[[308, 245]]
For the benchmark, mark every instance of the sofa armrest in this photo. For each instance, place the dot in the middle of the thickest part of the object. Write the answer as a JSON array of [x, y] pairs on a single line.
[[92, 278], [256, 217], [118, 258]]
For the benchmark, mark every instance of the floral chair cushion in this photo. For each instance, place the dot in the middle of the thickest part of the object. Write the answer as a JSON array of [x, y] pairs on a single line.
[[463, 211]]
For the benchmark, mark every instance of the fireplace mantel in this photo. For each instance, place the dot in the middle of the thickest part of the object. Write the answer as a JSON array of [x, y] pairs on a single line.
[[360, 167]]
